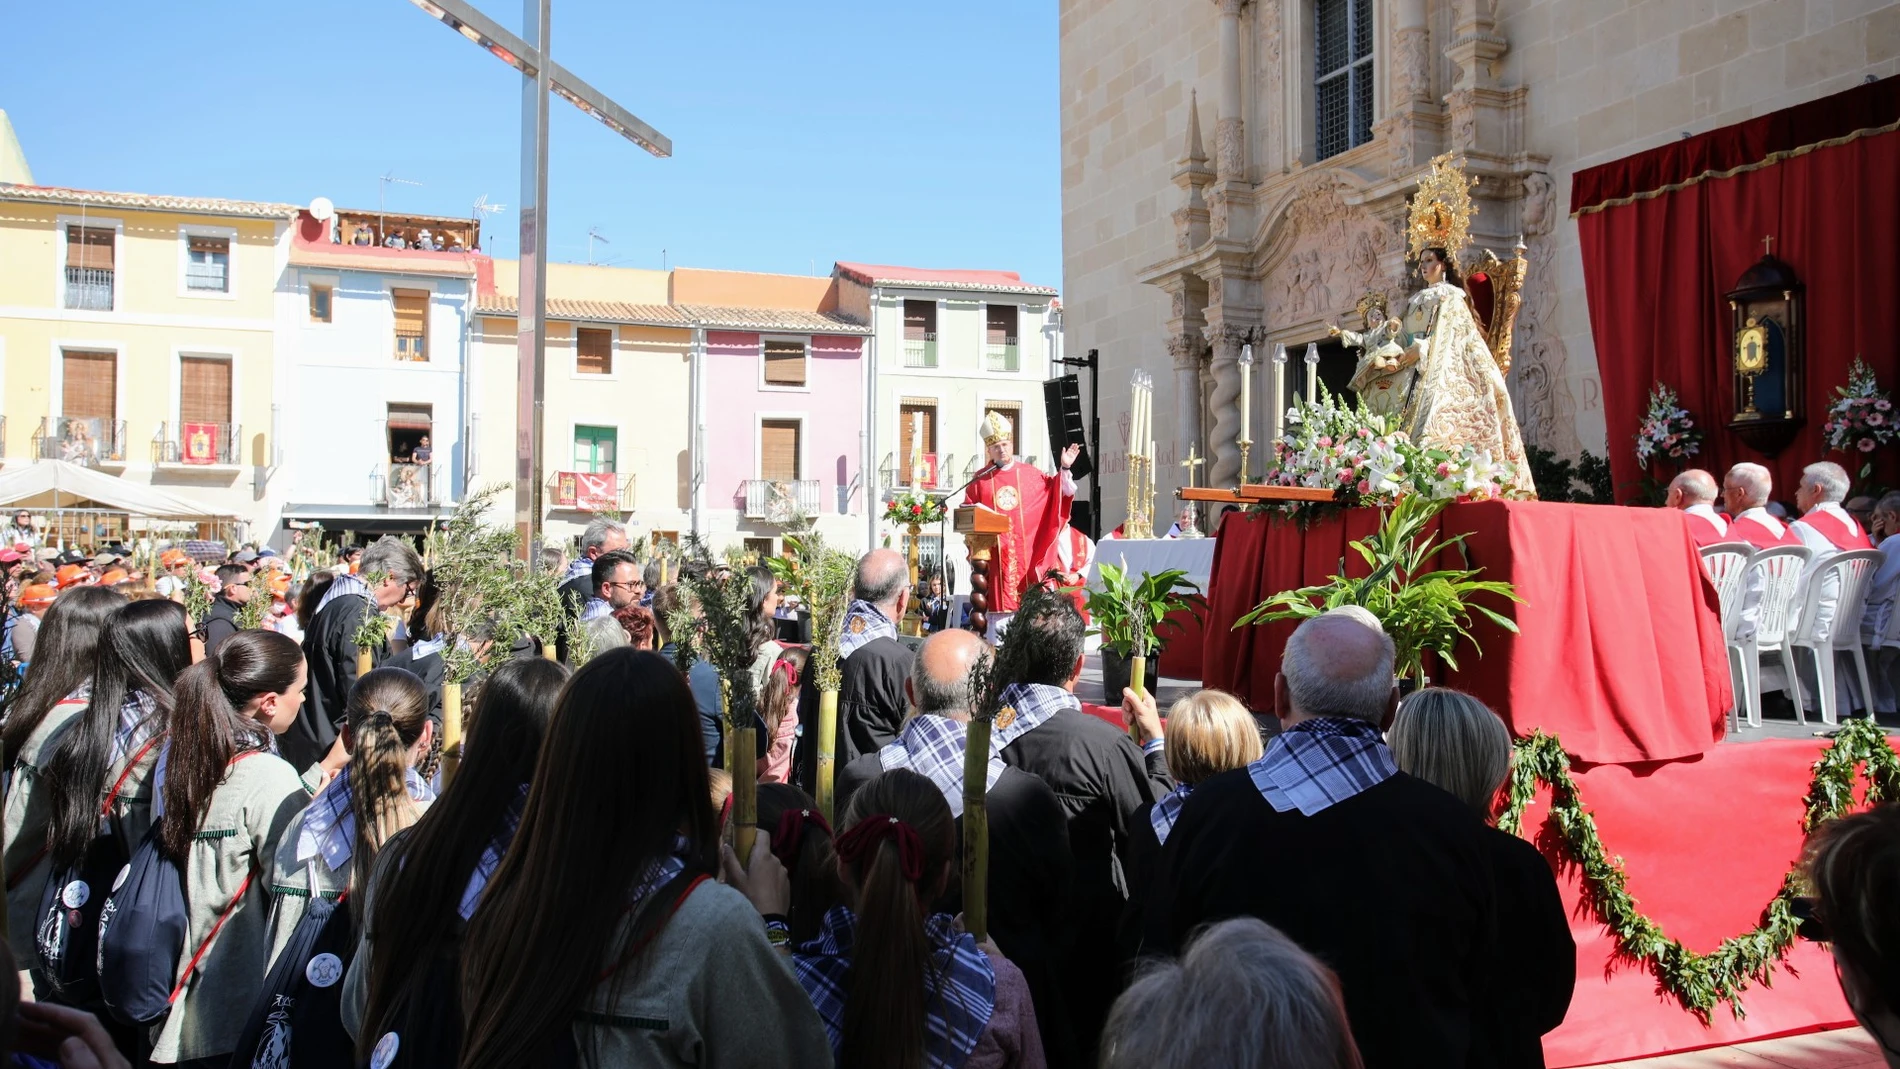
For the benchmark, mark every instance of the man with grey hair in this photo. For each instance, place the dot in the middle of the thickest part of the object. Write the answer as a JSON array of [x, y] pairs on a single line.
[[1745, 490], [1694, 492], [875, 665], [602, 536], [1382, 876], [1824, 526], [1030, 863], [390, 572], [1883, 600]]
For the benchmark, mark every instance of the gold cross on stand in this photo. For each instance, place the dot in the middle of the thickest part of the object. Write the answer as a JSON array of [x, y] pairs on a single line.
[[1768, 246], [1192, 462]]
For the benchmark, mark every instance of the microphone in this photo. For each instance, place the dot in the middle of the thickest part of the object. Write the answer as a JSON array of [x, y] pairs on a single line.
[[985, 470]]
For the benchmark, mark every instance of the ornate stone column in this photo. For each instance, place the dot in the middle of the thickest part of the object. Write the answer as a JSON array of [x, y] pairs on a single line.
[[1186, 350], [1224, 455], [1408, 126], [1230, 140]]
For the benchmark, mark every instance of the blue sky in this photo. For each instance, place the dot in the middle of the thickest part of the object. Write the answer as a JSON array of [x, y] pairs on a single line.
[[917, 134]]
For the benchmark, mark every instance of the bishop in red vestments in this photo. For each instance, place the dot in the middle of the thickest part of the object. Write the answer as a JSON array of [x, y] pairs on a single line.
[[1038, 509]]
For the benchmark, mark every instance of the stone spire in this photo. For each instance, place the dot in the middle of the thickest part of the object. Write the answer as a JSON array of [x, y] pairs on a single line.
[[13, 166], [1193, 175], [1196, 153]]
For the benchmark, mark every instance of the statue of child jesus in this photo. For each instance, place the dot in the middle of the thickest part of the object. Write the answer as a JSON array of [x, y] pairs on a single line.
[[1385, 372]]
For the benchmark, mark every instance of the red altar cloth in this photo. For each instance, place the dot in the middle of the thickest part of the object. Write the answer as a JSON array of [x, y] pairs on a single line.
[[1706, 842], [1620, 653]]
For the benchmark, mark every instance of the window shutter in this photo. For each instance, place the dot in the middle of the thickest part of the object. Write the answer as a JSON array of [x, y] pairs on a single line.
[[89, 384], [89, 247], [411, 417], [594, 351], [412, 324], [778, 450], [220, 246], [785, 363], [1001, 323], [204, 394], [920, 320]]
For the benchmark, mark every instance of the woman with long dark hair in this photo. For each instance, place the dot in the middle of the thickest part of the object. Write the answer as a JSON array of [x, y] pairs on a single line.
[[761, 621], [898, 987], [226, 800], [432, 876], [142, 649], [602, 916], [54, 693], [801, 840]]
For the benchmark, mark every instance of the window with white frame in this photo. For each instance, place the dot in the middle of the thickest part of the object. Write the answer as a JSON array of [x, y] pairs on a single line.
[[207, 263], [785, 362], [1342, 75]]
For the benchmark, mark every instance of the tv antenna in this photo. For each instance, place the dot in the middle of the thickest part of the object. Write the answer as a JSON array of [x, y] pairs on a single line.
[[593, 235], [382, 195], [483, 210]]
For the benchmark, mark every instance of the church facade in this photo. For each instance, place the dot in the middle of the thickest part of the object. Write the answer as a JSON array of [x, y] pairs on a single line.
[[1236, 172]]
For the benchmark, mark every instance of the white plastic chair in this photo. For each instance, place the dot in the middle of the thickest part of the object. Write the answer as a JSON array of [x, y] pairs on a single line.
[[1777, 571], [1724, 562], [1850, 573]]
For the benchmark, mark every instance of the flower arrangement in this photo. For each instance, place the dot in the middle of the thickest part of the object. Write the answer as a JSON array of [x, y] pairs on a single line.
[[1861, 419], [1367, 460], [1667, 430], [908, 508]]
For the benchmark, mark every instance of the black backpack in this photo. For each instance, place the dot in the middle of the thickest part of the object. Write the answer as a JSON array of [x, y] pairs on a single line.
[[142, 931], [67, 936], [297, 1022]]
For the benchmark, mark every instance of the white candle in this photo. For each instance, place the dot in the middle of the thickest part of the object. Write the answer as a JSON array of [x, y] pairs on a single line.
[[1312, 373], [1279, 387], [1246, 396]]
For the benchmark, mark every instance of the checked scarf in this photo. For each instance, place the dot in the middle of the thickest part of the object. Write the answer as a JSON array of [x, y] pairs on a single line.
[[1319, 763], [1027, 706], [1164, 812], [954, 1015], [341, 586], [491, 856], [933, 747], [863, 623], [136, 727], [329, 824]]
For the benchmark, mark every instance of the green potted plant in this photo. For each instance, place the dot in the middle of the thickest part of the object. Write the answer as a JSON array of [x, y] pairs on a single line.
[[1129, 614], [1425, 610]]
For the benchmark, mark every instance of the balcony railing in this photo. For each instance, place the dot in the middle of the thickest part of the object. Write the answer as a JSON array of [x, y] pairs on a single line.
[[411, 346], [195, 444], [780, 502], [89, 289], [409, 486], [207, 276], [592, 491], [920, 352], [1001, 356], [80, 440]]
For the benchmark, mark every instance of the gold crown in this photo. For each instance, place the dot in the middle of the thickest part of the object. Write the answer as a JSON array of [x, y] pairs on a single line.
[[1441, 210], [995, 429]]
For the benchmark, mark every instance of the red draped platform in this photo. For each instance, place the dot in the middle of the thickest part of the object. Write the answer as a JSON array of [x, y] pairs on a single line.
[[1621, 658]]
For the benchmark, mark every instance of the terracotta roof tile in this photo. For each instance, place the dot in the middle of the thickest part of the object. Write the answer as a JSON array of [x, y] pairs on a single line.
[[149, 201], [785, 319], [934, 278], [719, 317], [588, 311]]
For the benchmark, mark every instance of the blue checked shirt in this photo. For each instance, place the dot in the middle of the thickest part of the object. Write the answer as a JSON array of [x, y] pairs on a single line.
[[491, 856], [1026, 707], [1162, 815], [933, 747], [329, 824], [955, 1014], [136, 727], [1319, 763]]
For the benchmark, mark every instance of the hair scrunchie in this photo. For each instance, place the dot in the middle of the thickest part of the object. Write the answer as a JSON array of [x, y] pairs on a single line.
[[865, 836], [790, 834]]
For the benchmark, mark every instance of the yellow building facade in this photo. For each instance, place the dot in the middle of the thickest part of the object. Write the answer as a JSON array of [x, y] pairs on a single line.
[[136, 336]]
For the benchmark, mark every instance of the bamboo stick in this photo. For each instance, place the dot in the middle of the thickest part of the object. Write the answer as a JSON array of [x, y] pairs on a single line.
[[364, 662], [451, 732], [827, 750], [745, 792], [976, 830]]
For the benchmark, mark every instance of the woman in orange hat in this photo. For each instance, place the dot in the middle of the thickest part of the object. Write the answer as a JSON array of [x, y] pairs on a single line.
[[72, 575], [34, 601], [176, 565]]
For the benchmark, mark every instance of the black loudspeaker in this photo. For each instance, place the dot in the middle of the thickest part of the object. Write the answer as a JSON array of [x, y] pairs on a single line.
[[1082, 514], [1062, 406]]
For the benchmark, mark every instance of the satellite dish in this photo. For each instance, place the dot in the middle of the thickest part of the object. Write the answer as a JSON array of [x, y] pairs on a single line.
[[322, 210]]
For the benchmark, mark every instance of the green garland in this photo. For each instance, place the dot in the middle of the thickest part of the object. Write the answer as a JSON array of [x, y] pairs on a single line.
[[1698, 981]]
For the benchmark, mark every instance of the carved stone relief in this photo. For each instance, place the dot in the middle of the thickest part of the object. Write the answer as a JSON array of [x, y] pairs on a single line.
[[1463, 110], [1537, 217], [1229, 148], [1337, 252], [1539, 379], [1410, 67]]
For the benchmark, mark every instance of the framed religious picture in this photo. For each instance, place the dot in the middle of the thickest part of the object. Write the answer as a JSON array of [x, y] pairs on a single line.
[[1766, 359]]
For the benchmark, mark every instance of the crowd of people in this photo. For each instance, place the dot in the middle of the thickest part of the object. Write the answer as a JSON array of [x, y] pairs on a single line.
[[1314, 884]]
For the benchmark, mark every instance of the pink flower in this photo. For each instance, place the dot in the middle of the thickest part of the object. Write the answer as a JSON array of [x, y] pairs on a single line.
[[1687, 423], [1325, 441], [1345, 476], [1365, 487], [1876, 420], [1883, 405], [1866, 445], [1444, 469], [1364, 433]]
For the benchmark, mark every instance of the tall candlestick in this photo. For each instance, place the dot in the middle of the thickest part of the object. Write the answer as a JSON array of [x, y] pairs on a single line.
[[1312, 373], [1279, 391], [1246, 394]]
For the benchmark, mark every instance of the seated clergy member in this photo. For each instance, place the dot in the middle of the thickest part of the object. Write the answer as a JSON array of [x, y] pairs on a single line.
[[1745, 491], [871, 702], [1824, 526], [1029, 833], [1694, 493], [1883, 600], [1103, 779], [1384, 877]]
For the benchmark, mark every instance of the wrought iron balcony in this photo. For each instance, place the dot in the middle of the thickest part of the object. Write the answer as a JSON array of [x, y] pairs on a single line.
[[780, 502], [196, 444], [411, 346], [1002, 356], [89, 289], [80, 440], [584, 491], [920, 351]]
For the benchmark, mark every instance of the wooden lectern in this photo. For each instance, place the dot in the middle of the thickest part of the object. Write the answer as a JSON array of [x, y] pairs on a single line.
[[979, 525]]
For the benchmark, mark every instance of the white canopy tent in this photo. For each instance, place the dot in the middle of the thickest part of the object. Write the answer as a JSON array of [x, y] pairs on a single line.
[[59, 485]]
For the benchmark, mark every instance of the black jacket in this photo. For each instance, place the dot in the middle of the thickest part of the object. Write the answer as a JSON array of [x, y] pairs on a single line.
[[871, 702], [1533, 969], [329, 650], [220, 623], [1030, 874], [1391, 888], [431, 670]]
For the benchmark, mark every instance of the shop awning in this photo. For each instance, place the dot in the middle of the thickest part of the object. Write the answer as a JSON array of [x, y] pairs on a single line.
[[56, 484]]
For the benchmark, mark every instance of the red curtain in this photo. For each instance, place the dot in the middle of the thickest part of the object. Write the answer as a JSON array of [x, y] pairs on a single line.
[[1655, 269]]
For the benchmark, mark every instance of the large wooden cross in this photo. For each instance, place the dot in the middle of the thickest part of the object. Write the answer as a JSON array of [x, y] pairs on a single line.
[[539, 79]]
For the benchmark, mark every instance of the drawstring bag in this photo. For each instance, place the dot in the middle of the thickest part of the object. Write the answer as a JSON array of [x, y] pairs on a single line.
[[67, 936], [297, 1022], [143, 927]]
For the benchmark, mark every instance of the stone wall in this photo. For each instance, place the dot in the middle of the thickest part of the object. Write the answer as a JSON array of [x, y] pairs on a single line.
[[1578, 82]]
